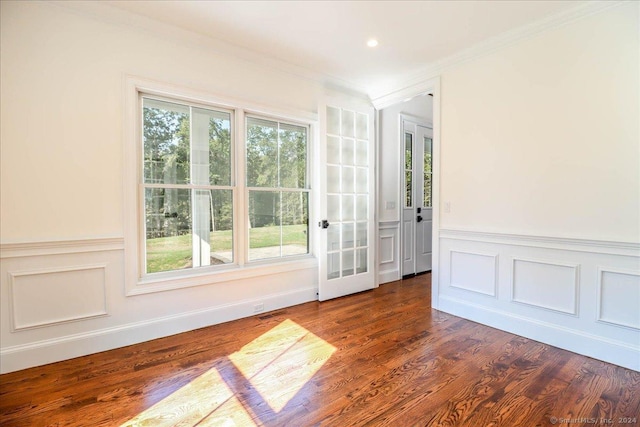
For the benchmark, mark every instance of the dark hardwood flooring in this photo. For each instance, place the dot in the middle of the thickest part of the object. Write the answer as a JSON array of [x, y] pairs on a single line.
[[382, 357]]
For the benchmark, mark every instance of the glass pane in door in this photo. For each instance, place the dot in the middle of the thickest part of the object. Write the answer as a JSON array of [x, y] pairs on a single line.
[[408, 169], [427, 172], [347, 192]]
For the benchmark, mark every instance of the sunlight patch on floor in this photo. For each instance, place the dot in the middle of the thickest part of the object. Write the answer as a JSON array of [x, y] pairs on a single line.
[[192, 403], [277, 364], [280, 362]]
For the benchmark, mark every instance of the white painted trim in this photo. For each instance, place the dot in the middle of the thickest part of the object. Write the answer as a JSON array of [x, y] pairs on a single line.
[[106, 13], [16, 274], [410, 87], [136, 84], [57, 247], [232, 273], [611, 351], [387, 276], [419, 82], [576, 284], [375, 191], [495, 272], [599, 318], [52, 350], [563, 243], [424, 86], [435, 196], [393, 243], [135, 282], [388, 225]]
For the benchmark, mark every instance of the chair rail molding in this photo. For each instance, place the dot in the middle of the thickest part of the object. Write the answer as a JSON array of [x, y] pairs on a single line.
[[55, 247]]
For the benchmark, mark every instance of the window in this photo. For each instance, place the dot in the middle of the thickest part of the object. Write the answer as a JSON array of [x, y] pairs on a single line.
[[276, 165], [408, 169], [187, 186], [189, 196]]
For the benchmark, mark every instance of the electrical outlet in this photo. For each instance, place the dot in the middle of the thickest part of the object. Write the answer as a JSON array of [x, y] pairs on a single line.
[[258, 308], [447, 207]]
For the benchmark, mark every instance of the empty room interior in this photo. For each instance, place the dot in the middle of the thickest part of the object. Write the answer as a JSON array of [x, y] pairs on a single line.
[[341, 213]]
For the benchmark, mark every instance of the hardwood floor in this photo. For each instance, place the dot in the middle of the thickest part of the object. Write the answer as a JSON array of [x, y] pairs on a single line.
[[377, 358]]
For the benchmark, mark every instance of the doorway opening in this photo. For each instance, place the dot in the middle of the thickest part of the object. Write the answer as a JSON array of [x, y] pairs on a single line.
[[417, 201], [419, 104]]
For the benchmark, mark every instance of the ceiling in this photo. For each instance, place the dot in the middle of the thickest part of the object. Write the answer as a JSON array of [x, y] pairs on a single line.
[[328, 38]]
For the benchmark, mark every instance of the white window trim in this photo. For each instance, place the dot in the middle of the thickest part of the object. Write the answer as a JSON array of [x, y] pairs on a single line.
[[135, 283]]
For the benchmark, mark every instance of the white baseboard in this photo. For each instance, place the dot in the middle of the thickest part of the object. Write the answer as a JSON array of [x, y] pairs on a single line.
[[611, 351], [54, 350], [388, 276]]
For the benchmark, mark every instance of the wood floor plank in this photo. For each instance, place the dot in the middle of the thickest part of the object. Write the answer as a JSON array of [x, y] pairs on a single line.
[[376, 358]]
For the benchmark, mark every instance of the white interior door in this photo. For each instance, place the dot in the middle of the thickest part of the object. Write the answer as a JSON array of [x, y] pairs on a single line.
[[347, 201], [408, 200], [417, 211], [424, 211]]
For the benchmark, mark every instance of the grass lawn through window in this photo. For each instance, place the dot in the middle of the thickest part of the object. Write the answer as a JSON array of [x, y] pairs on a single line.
[[174, 253]]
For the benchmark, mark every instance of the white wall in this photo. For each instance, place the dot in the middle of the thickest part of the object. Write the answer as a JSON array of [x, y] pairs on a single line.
[[63, 111], [540, 162], [542, 137], [390, 180]]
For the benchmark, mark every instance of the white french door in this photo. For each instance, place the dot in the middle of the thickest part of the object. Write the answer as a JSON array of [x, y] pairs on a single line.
[[347, 201]]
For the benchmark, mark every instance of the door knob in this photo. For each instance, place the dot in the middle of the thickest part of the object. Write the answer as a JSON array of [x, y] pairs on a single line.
[[419, 218], [324, 224]]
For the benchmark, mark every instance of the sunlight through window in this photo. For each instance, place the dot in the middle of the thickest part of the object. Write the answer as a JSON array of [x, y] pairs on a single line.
[[207, 400], [281, 361], [277, 364]]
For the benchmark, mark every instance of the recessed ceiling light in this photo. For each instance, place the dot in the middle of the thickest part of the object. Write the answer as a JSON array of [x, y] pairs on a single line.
[[372, 42]]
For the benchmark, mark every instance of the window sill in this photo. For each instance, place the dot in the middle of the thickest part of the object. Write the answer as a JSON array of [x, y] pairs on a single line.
[[149, 285]]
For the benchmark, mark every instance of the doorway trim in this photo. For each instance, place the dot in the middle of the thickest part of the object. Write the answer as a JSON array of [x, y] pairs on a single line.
[[432, 86]]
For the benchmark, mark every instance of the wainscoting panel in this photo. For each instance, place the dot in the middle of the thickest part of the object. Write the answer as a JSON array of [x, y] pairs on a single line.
[[546, 284], [580, 295], [47, 297], [618, 296], [474, 272], [388, 252], [60, 300], [387, 255]]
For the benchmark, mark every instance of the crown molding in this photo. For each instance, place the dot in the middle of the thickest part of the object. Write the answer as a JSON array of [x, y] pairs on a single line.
[[109, 14], [419, 82], [411, 86]]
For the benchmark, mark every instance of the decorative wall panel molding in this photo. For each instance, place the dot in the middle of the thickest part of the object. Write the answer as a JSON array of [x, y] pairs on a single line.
[[65, 347], [60, 300], [388, 225], [14, 250], [570, 244], [577, 294], [388, 251], [545, 284], [48, 297], [476, 272], [387, 244], [619, 297]]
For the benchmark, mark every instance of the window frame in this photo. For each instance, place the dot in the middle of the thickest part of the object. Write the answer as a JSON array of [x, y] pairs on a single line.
[[187, 186], [306, 189], [136, 282]]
